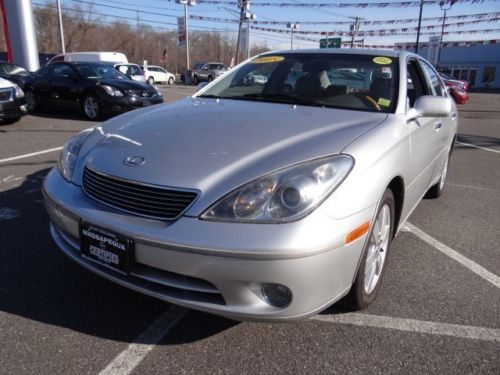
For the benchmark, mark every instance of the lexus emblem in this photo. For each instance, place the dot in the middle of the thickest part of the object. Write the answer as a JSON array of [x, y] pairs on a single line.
[[134, 161]]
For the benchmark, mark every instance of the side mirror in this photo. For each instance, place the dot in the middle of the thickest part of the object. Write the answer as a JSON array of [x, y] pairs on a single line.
[[429, 106], [201, 85]]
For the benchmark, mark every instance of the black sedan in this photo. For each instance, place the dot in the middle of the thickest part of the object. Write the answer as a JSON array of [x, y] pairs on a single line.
[[96, 89]]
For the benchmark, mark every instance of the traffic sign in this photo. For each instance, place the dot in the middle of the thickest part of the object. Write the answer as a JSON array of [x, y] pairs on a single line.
[[330, 43]]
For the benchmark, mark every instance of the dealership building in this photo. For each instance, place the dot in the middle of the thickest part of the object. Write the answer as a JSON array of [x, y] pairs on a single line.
[[475, 61]]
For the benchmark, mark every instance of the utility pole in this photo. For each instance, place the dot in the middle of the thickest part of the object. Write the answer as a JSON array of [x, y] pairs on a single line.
[[61, 30], [419, 24], [354, 30], [445, 6], [245, 15], [292, 27]]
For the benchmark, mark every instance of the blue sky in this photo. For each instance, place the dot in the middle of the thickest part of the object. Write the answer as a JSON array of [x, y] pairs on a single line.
[[162, 14]]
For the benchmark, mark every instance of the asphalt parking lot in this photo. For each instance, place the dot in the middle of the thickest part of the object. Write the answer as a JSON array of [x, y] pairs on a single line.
[[438, 311]]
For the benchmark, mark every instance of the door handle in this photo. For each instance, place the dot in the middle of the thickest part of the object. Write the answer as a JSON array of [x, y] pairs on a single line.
[[438, 125], [453, 115]]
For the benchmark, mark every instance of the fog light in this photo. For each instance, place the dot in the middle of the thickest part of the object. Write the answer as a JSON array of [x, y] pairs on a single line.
[[276, 294]]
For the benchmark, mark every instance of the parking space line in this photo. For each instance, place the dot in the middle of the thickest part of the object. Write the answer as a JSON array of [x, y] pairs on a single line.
[[482, 148], [30, 155], [455, 255], [127, 360], [412, 325]]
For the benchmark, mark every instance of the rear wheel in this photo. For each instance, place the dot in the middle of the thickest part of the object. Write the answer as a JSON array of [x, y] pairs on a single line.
[[210, 79], [151, 80], [91, 108], [195, 80], [436, 190], [375, 255]]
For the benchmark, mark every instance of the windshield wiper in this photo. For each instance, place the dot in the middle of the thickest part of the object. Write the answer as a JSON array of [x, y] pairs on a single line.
[[282, 98], [212, 96]]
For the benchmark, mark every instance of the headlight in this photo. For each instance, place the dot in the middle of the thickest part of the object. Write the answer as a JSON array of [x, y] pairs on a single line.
[[18, 92], [69, 154], [112, 91], [285, 195]]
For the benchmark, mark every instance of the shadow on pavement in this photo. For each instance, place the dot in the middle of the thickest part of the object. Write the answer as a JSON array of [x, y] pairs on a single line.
[[477, 140], [39, 283]]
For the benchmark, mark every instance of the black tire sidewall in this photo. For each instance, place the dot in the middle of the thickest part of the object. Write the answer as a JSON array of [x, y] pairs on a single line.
[[358, 296]]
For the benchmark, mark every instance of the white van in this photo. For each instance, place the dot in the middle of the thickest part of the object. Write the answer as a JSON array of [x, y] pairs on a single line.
[[116, 57]]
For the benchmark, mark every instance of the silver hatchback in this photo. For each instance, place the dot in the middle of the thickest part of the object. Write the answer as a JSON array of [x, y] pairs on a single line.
[[264, 199]]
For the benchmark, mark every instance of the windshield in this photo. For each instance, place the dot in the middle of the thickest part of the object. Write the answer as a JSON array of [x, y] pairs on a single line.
[[349, 81], [99, 71], [12, 69]]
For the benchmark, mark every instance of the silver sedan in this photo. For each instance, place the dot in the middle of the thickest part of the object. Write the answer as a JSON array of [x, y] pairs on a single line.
[[262, 200]]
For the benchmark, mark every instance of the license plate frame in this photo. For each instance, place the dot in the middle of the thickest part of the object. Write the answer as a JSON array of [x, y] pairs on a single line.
[[105, 247]]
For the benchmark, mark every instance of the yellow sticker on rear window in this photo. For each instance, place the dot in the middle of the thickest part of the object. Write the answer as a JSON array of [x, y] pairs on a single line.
[[384, 102], [268, 59], [382, 60]]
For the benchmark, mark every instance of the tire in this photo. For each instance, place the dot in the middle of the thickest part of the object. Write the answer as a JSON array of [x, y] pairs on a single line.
[[210, 79], [31, 103], [11, 120], [375, 255], [435, 191], [170, 81], [91, 108], [151, 80], [195, 80]]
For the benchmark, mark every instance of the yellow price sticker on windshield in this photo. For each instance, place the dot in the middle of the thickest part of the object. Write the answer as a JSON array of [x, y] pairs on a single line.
[[382, 60], [384, 102], [268, 59]]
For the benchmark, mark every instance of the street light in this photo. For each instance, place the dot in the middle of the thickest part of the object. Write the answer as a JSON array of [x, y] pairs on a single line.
[[186, 3], [445, 6], [292, 27]]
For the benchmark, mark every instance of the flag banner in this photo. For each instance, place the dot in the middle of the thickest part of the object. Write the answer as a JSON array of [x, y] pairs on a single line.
[[397, 4], [181, 27], [484, 17]]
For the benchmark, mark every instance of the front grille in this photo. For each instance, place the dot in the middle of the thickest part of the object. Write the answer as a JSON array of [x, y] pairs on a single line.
[[142, 93], [5, 94], [135, 197]]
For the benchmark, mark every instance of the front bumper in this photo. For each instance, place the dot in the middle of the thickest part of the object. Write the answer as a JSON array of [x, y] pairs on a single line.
[[188, 261], [114, 105], [13, 108]]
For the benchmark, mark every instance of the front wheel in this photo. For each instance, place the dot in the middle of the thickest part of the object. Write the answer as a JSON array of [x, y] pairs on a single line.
[[31, 103], [375, 255], [170, 81], [91, 107]]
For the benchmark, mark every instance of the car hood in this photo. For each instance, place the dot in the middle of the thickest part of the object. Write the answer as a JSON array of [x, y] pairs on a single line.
[[126, 84], [215, 146]]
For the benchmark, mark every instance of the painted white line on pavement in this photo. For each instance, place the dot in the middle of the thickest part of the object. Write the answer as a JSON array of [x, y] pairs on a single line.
[[412, 325], [125, 362], [455, 255], [30, 155], [482, 148]]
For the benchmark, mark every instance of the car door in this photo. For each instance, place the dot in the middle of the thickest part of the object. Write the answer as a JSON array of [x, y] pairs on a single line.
[[444, 126], [163, 74], [64, 86], [423, 138], [203, 73]]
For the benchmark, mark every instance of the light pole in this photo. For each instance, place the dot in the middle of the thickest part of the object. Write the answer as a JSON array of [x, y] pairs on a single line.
[[292, 27], [61, 30], [354, 30], [445, 6], [186, 3]]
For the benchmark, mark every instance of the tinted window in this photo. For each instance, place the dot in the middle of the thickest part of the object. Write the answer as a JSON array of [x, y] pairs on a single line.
[[62, 70], [99, 71], [359, 82], [415, 83], [433, 81]]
